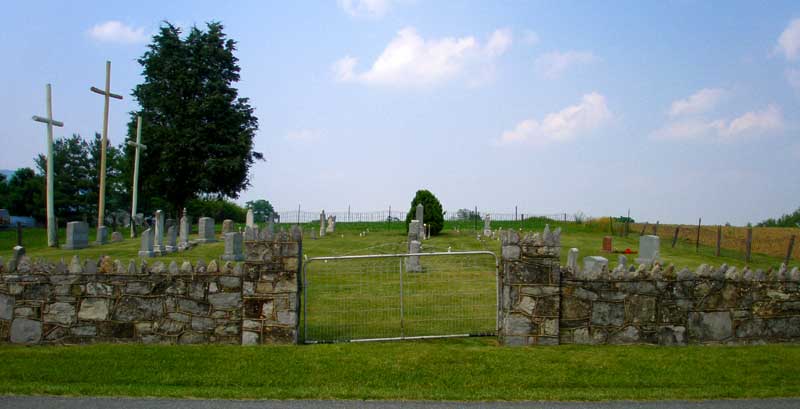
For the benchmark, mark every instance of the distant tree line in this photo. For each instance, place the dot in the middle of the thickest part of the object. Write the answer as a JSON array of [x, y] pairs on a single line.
[[787, 220]]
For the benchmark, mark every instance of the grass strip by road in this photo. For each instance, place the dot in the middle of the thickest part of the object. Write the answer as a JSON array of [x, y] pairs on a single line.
[[468, 369]]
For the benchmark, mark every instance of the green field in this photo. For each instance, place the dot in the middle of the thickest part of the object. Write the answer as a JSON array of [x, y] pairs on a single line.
[[459, 369], [383, 238], [450, 369]]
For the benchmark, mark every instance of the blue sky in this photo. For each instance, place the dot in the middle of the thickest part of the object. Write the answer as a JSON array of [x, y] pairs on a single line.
[[675, 109]]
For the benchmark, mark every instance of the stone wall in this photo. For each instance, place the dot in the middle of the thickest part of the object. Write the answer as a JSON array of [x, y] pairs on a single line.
[[529, 295], [543, 303], [110, 301]]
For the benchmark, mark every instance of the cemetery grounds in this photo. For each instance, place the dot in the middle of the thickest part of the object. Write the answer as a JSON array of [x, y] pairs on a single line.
[[445, 369]]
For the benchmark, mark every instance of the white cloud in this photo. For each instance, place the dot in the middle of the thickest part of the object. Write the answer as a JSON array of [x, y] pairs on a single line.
[[553, 64], [499, 42], [530, 37], [304, 135], [365, 8], [410, 59], [750, 124], [767, 120], [699, 102], [114, 31], [588, 115], [789, 41]]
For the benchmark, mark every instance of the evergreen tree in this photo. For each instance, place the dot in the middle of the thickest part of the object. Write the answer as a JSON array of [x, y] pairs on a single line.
[[198, 131], [432, 211]]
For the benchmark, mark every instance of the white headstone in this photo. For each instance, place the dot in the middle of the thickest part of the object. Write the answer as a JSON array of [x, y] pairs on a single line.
[[102, 235], [206, 230], [146, 248], [158, 245], [322, 224], [250, 219], [649, 249], [172, 239], [421, 218], [593, 266], [412, 262], [234, 248], [572, 259], [487, 226], [185, 230], [77, 236], [331, 227]]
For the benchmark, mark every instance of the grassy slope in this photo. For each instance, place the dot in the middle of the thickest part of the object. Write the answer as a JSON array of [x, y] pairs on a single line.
[[467, 369]]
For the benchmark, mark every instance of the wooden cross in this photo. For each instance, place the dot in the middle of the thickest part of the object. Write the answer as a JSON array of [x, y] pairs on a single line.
[[52, 238], [138, 145], [101, 207]]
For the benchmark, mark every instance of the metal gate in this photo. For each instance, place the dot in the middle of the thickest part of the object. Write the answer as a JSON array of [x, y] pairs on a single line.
[[400, 296]]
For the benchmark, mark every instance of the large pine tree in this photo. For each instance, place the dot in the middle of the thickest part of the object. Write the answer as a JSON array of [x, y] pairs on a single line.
[[198, 131]]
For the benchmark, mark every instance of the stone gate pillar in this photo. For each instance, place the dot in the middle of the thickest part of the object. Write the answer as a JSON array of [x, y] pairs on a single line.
[[270, 287], [530, 288]]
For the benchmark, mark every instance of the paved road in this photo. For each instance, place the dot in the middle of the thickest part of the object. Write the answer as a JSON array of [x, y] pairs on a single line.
[[124, 403]]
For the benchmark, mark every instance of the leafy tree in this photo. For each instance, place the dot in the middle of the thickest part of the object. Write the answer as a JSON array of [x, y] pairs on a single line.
[[76, 168], [3, 192], [432, 211], [262, 209], [217, 209], [787, 220], [26, 194], [199, 133]]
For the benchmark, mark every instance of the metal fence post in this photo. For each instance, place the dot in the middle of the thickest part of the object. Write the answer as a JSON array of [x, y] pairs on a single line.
[[748, 244], [789, 250], [719, 240], [697, 243], [675, 237]]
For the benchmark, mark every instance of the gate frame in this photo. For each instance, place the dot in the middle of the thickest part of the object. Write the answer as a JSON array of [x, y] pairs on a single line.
[[498, 293]]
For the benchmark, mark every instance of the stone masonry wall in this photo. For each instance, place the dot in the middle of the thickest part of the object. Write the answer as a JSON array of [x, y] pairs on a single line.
[[655, 306], [543, 303], [530, 280], [110, 301]]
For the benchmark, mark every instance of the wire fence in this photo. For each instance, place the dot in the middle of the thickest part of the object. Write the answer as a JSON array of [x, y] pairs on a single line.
[[399, 296], [298, 216], [771, 241]]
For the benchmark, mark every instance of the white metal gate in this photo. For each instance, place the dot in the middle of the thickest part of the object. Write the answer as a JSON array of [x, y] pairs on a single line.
[[400, 296]]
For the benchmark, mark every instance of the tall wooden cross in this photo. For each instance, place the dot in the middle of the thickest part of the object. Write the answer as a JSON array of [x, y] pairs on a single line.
[[101, 206], [139, 146], [52, 238]]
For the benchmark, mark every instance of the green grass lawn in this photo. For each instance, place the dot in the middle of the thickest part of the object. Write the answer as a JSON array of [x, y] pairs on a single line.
[[464, 369], [382, 240]]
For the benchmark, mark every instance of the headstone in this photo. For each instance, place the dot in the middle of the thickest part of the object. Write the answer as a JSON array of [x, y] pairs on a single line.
[[19, 251], [607, 246], [172, 239], [233, 247], [313, 234], [331, 228], [414, 231], [77, 236], [227, 227], [412, 263], [593, 266], [322, 224], [250, 219], [206, 230], [420, 216], [116, 237], [622, 260], [102, 235], [185, 230], [572, 259], [158, 244], [146, 247], [649, 249], [487, 226], [169, 223]]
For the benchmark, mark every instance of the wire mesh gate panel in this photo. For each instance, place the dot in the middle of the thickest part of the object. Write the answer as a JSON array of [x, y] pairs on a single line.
[[399, 296]]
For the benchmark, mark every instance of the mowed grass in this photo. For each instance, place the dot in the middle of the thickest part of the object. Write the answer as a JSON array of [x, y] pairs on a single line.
[[462, 369], [383, 238], [452, 369]]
